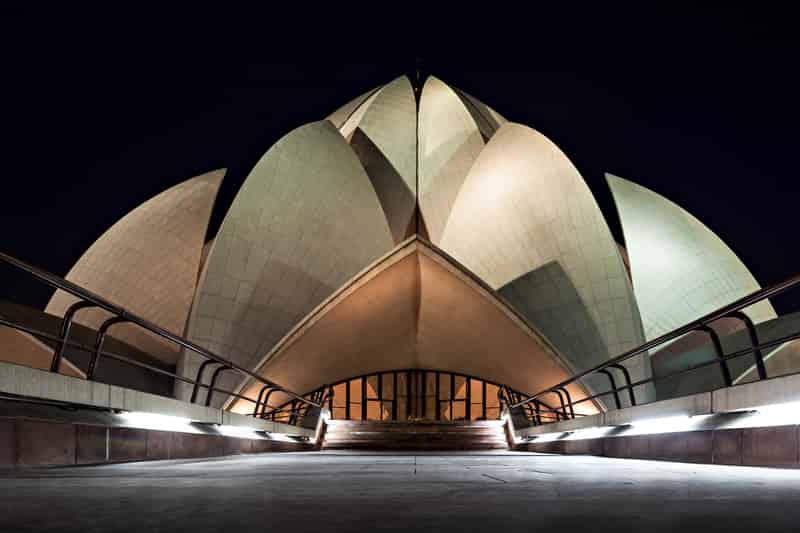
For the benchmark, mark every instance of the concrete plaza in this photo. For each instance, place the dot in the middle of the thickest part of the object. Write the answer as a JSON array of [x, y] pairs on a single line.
[[347, 491]]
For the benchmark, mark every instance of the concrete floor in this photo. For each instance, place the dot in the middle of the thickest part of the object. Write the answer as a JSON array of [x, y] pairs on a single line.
[[326, 491]]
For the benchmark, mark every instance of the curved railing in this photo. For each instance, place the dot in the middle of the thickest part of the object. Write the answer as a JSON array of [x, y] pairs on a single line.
[[530, 403], [87, 299]]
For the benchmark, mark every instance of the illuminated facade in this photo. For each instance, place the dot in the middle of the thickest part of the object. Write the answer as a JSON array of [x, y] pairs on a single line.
[[409, 234]]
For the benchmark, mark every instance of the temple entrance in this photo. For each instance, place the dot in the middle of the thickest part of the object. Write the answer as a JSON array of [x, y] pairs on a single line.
[[404, 395]]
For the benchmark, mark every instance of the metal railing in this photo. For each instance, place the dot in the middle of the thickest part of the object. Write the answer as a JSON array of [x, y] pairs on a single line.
[[87, 299], [732, 310]]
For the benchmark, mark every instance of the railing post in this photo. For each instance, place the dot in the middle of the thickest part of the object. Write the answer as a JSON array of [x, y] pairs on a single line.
[[613, 387], [98, 345], [266, 404], [199, 378], [563, 407], [628, 382], [66, 325], [720, 354], [569, 401], [751, 330], [214, 377], [260, 396]]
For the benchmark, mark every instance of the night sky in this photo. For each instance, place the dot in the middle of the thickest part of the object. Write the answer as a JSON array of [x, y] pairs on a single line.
[[102, 110]]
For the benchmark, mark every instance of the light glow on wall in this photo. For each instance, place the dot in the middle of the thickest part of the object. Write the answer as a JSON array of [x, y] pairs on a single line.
[[779, 414], [243, 432], [590, 433], [668, 424], [281, 437], [155, 421]]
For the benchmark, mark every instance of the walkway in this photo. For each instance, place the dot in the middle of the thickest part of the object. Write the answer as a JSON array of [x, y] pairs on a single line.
[[327, 491]]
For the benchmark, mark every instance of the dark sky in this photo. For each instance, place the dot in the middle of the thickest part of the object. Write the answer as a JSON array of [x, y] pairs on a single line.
[[104, 109]]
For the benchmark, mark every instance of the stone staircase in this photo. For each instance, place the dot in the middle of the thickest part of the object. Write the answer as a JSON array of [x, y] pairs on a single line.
[[422, 435]]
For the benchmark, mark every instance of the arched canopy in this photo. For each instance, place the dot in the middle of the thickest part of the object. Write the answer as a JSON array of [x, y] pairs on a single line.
[[414, 308]]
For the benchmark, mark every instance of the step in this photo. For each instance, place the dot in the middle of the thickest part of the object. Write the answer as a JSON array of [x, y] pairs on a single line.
[[420, 429], [392, 424], [420, 435], [416, 431], [411, 446], [492, 440]]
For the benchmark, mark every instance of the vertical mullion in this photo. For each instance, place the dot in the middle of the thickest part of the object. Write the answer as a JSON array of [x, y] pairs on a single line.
[[394, 395], [452, 394], [468, 407], [347, 400], [483, 399], [364, 398], [424, 394], [438, 414], [380, 397], [408, 395]]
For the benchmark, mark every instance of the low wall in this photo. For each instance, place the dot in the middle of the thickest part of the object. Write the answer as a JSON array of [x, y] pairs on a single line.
[[765, 446], [729, 430], [721, 401], [26, 443], [33, 383]]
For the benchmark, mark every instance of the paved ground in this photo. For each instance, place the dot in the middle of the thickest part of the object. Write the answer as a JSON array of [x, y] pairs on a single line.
[[325, 491]]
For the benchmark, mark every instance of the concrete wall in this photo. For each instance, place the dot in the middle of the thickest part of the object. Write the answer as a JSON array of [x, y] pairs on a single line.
[[33, 383], [738, 398], [731, 436], [766, 446], [25, 443]]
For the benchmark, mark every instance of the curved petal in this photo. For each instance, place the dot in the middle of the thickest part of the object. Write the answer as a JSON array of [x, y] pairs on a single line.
[[487, 119], [527, 224], [339, 117], [306, 219], [449, 143], [148, 263], [681, 270]]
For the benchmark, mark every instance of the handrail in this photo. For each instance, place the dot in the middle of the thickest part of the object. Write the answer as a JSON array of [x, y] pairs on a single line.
[[722, 312], [118, 357], [76, 290]]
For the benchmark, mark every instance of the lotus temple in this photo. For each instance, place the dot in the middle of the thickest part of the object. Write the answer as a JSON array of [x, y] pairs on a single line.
[[396, 235], [420, 301]]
